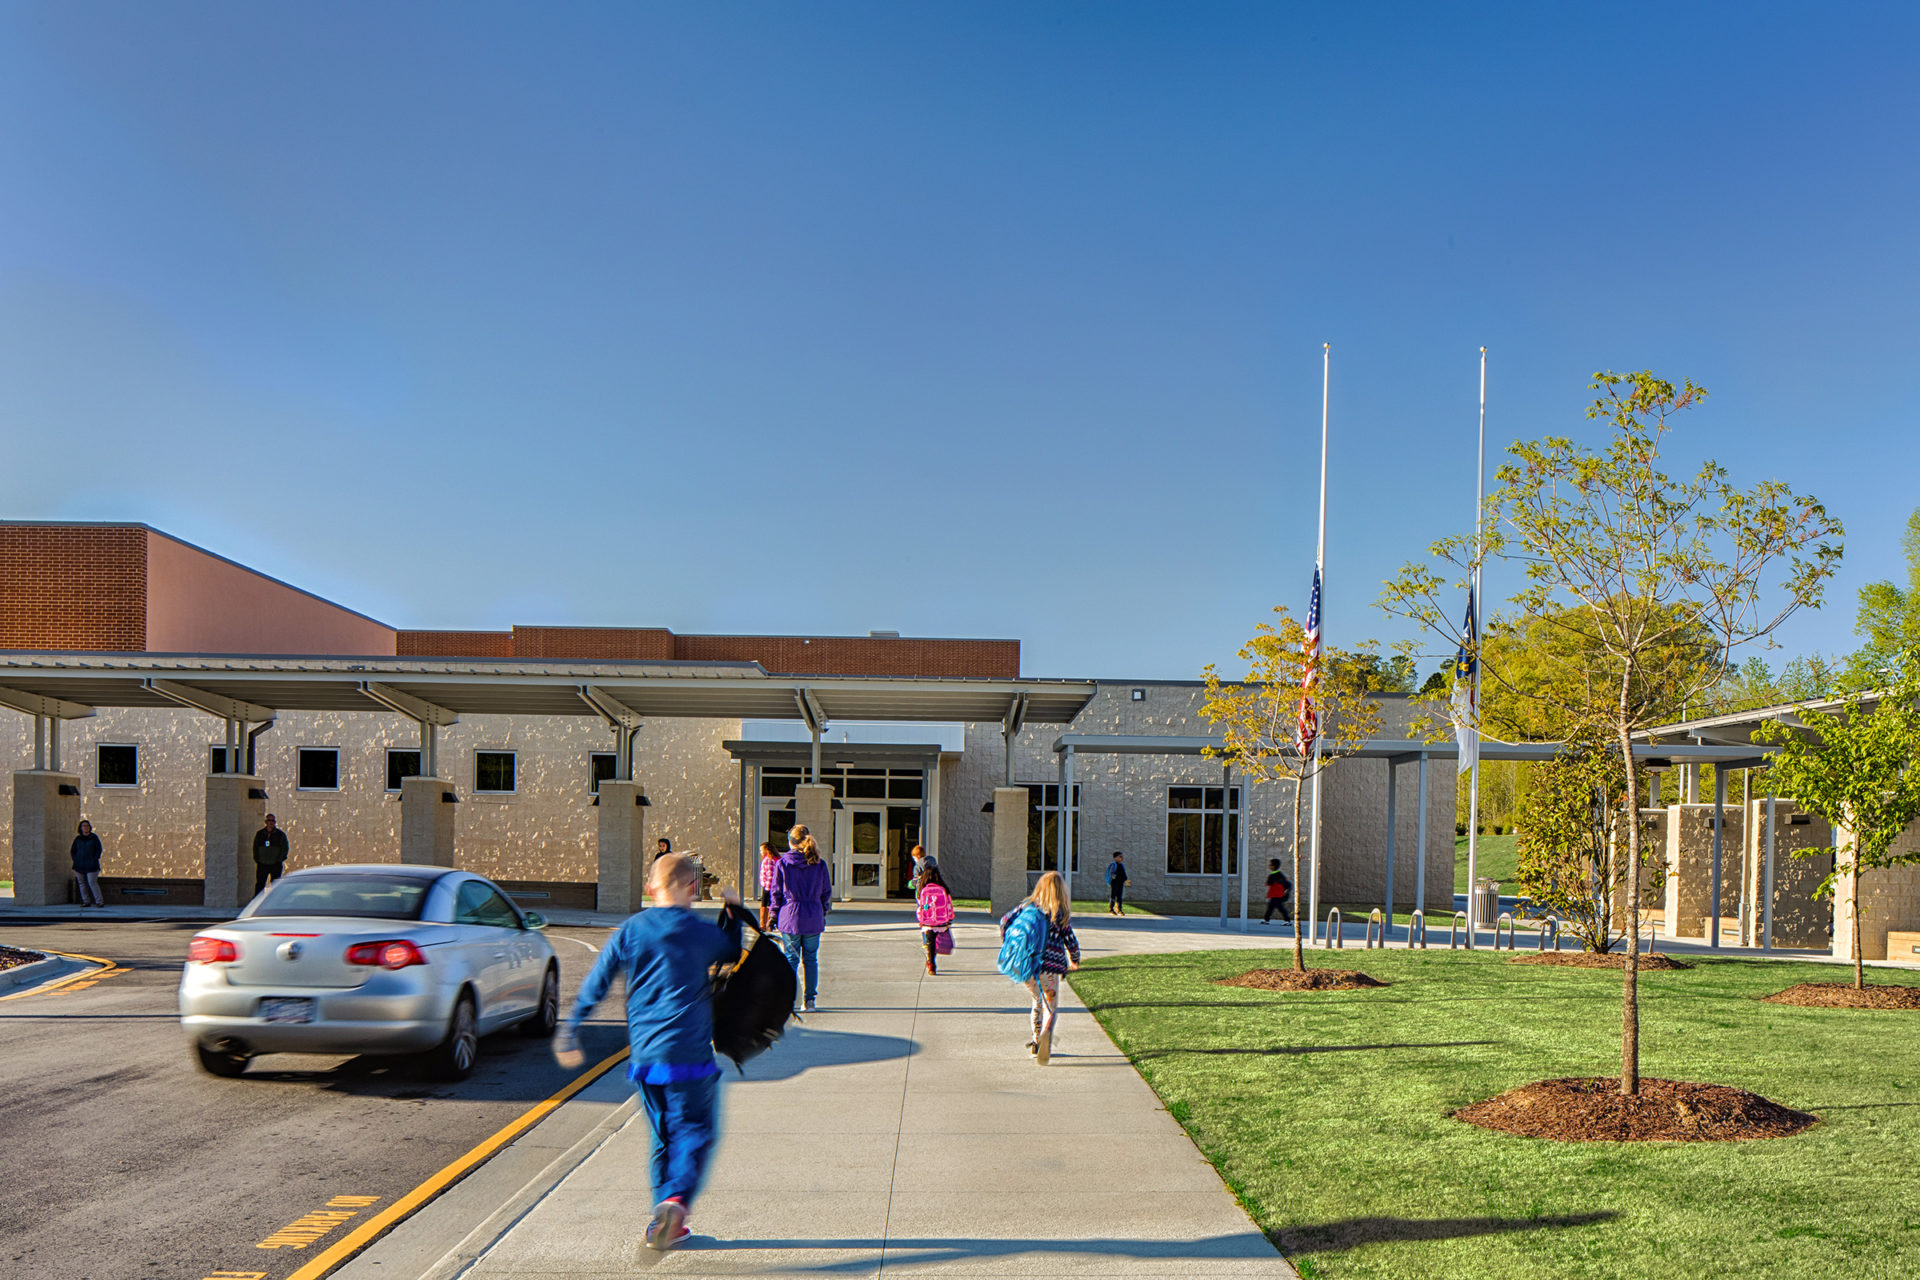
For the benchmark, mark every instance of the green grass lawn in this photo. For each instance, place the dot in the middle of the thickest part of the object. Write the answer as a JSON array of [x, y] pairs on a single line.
[[1330, 1116], [1493, 858]]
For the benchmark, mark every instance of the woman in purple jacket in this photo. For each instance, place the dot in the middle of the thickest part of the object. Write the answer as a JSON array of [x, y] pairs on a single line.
[[801, 895]]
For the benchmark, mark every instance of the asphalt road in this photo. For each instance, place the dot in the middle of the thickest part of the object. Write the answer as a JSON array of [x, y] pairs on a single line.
[[120, 1158]]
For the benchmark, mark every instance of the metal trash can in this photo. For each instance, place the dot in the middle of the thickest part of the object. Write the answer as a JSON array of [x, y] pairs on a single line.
[[1486, 902]]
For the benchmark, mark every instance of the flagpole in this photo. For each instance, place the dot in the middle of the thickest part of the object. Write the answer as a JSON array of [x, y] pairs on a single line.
[[1479, 628], [1320, 571]]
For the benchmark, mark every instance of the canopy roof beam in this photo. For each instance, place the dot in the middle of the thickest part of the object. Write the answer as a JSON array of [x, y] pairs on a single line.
[[616, 712], [214, 704], [408, 705], [39, 704]]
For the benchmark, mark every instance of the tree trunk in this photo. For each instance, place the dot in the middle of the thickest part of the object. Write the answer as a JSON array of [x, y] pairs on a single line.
[[1859, 969], [1630, 971], [1299, 949]]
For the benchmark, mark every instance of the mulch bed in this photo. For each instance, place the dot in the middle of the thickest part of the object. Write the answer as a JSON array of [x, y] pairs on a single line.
[[1303, 980], [1841, 995], [13, 957], [1589, 1109], [1594, 960]]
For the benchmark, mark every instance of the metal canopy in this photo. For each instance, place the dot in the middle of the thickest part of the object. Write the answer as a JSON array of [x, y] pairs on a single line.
[[1742, 756], [860, 755], [442, 689]]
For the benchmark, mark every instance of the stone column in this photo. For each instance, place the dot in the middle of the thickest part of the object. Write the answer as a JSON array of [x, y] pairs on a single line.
[[426, 821], [236, 809], [1007, 879], [813, 809], [44, 824], [623, 858]]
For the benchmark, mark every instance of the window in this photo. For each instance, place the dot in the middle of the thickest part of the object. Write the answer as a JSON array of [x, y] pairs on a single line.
[[369, 895], [600, 767], [116, 766], [401, 764], [479, 904], [217, 758], [493, 772], [319, 769], [1194, 815], [1043, 827]]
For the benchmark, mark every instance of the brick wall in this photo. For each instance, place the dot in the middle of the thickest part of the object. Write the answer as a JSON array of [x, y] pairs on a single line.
[[73, 587], [453, 644], [785, 655]]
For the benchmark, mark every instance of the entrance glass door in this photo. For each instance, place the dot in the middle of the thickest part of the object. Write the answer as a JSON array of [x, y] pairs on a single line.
[[865, 853]]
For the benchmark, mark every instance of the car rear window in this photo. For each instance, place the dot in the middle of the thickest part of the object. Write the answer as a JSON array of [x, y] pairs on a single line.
[[373, 897]]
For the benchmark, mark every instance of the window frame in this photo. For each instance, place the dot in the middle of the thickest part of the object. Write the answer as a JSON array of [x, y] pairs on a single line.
[[1235, 801], [593, 773], [134, 747], [299, 757], [1037, 811], [513, 758], [419, 762]]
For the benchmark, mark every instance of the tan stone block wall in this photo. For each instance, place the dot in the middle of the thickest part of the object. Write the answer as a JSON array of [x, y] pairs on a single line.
[[1799, 919], [1689, 867], [1890, 900]]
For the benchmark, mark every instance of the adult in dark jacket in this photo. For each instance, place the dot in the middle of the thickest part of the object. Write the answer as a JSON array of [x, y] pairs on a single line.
[[86, 865], [801, 896], [269, 855]]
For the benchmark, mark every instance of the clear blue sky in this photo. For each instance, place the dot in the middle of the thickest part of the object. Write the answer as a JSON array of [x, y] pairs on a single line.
[[960, 319]]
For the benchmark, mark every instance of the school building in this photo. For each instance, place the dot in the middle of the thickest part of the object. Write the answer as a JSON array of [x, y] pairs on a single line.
[[173, 697]]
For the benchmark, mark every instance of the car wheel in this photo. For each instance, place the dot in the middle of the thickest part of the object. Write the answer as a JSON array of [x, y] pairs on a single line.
[[219, 1062], [546, 1015], [456, 1055]]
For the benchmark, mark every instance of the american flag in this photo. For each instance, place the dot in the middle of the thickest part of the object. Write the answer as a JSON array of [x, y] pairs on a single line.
[[1307, 728], [1466, 727]]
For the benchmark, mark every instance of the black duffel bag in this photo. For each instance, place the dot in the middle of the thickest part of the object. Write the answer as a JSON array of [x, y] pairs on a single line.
[[753, 1000]]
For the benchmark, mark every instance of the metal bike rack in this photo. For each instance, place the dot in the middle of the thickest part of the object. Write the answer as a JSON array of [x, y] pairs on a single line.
[[1506, 918], [1551, 922], [1333, 928], [1417, 924], [1374, 917], [1453, 932]]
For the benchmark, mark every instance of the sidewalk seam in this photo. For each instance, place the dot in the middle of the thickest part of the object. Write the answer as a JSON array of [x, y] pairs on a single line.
[[893, 1173]]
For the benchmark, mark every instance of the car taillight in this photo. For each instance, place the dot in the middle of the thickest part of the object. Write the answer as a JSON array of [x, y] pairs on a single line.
[[204, 950], [397, 954]]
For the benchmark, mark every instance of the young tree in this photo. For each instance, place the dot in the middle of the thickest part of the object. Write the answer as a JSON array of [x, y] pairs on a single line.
[[1632, 567], [1572, 826], [1258, 718], [1859, 768]]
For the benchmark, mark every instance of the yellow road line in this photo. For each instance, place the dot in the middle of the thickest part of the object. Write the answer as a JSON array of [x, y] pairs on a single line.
[[91, 976], [360, 1236]]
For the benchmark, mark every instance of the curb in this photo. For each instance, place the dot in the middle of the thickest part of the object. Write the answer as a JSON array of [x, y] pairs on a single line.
[[28, 975]]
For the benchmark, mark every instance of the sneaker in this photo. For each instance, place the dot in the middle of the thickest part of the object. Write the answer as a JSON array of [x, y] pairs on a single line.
[[812, 1007], [669, 1225], [930, 968], [1033, 1046]]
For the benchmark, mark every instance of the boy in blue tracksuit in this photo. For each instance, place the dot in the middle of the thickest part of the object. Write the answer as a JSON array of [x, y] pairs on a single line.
[[665, 956]]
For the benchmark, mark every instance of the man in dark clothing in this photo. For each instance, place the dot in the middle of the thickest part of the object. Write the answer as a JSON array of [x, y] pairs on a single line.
[[1278, 889], [1116, 884], [269, 855]]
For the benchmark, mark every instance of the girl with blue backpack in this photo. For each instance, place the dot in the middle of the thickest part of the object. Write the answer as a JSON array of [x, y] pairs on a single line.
[[1037, 945]]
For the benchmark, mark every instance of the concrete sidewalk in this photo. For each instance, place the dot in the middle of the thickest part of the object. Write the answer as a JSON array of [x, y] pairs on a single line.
[[905, 1129]]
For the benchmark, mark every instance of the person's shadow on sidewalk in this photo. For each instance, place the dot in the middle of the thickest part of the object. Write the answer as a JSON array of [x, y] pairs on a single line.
[[805, 1048]]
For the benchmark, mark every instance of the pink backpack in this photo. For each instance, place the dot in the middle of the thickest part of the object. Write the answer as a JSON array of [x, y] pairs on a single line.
[[936, 907]]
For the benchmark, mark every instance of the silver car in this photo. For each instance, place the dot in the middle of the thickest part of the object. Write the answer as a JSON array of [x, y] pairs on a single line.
[[369, 959]]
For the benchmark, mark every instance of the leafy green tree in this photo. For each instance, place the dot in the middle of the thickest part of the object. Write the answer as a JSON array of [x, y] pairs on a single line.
[[1889, 619], [1257, 719], [1859, 768], [1572, 826], [1631, 567]]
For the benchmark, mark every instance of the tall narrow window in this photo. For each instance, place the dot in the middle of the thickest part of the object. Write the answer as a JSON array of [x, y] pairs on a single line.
[[600, 767], [116, 765], [319, 769], [493, 772], [1043, 827], [1194, 815]]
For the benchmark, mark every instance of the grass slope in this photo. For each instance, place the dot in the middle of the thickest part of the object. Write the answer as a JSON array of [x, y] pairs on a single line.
[[1494, 859], [1330, 1116]]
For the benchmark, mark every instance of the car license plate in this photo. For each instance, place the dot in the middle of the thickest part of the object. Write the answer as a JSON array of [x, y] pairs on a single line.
[[286, 1009]]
